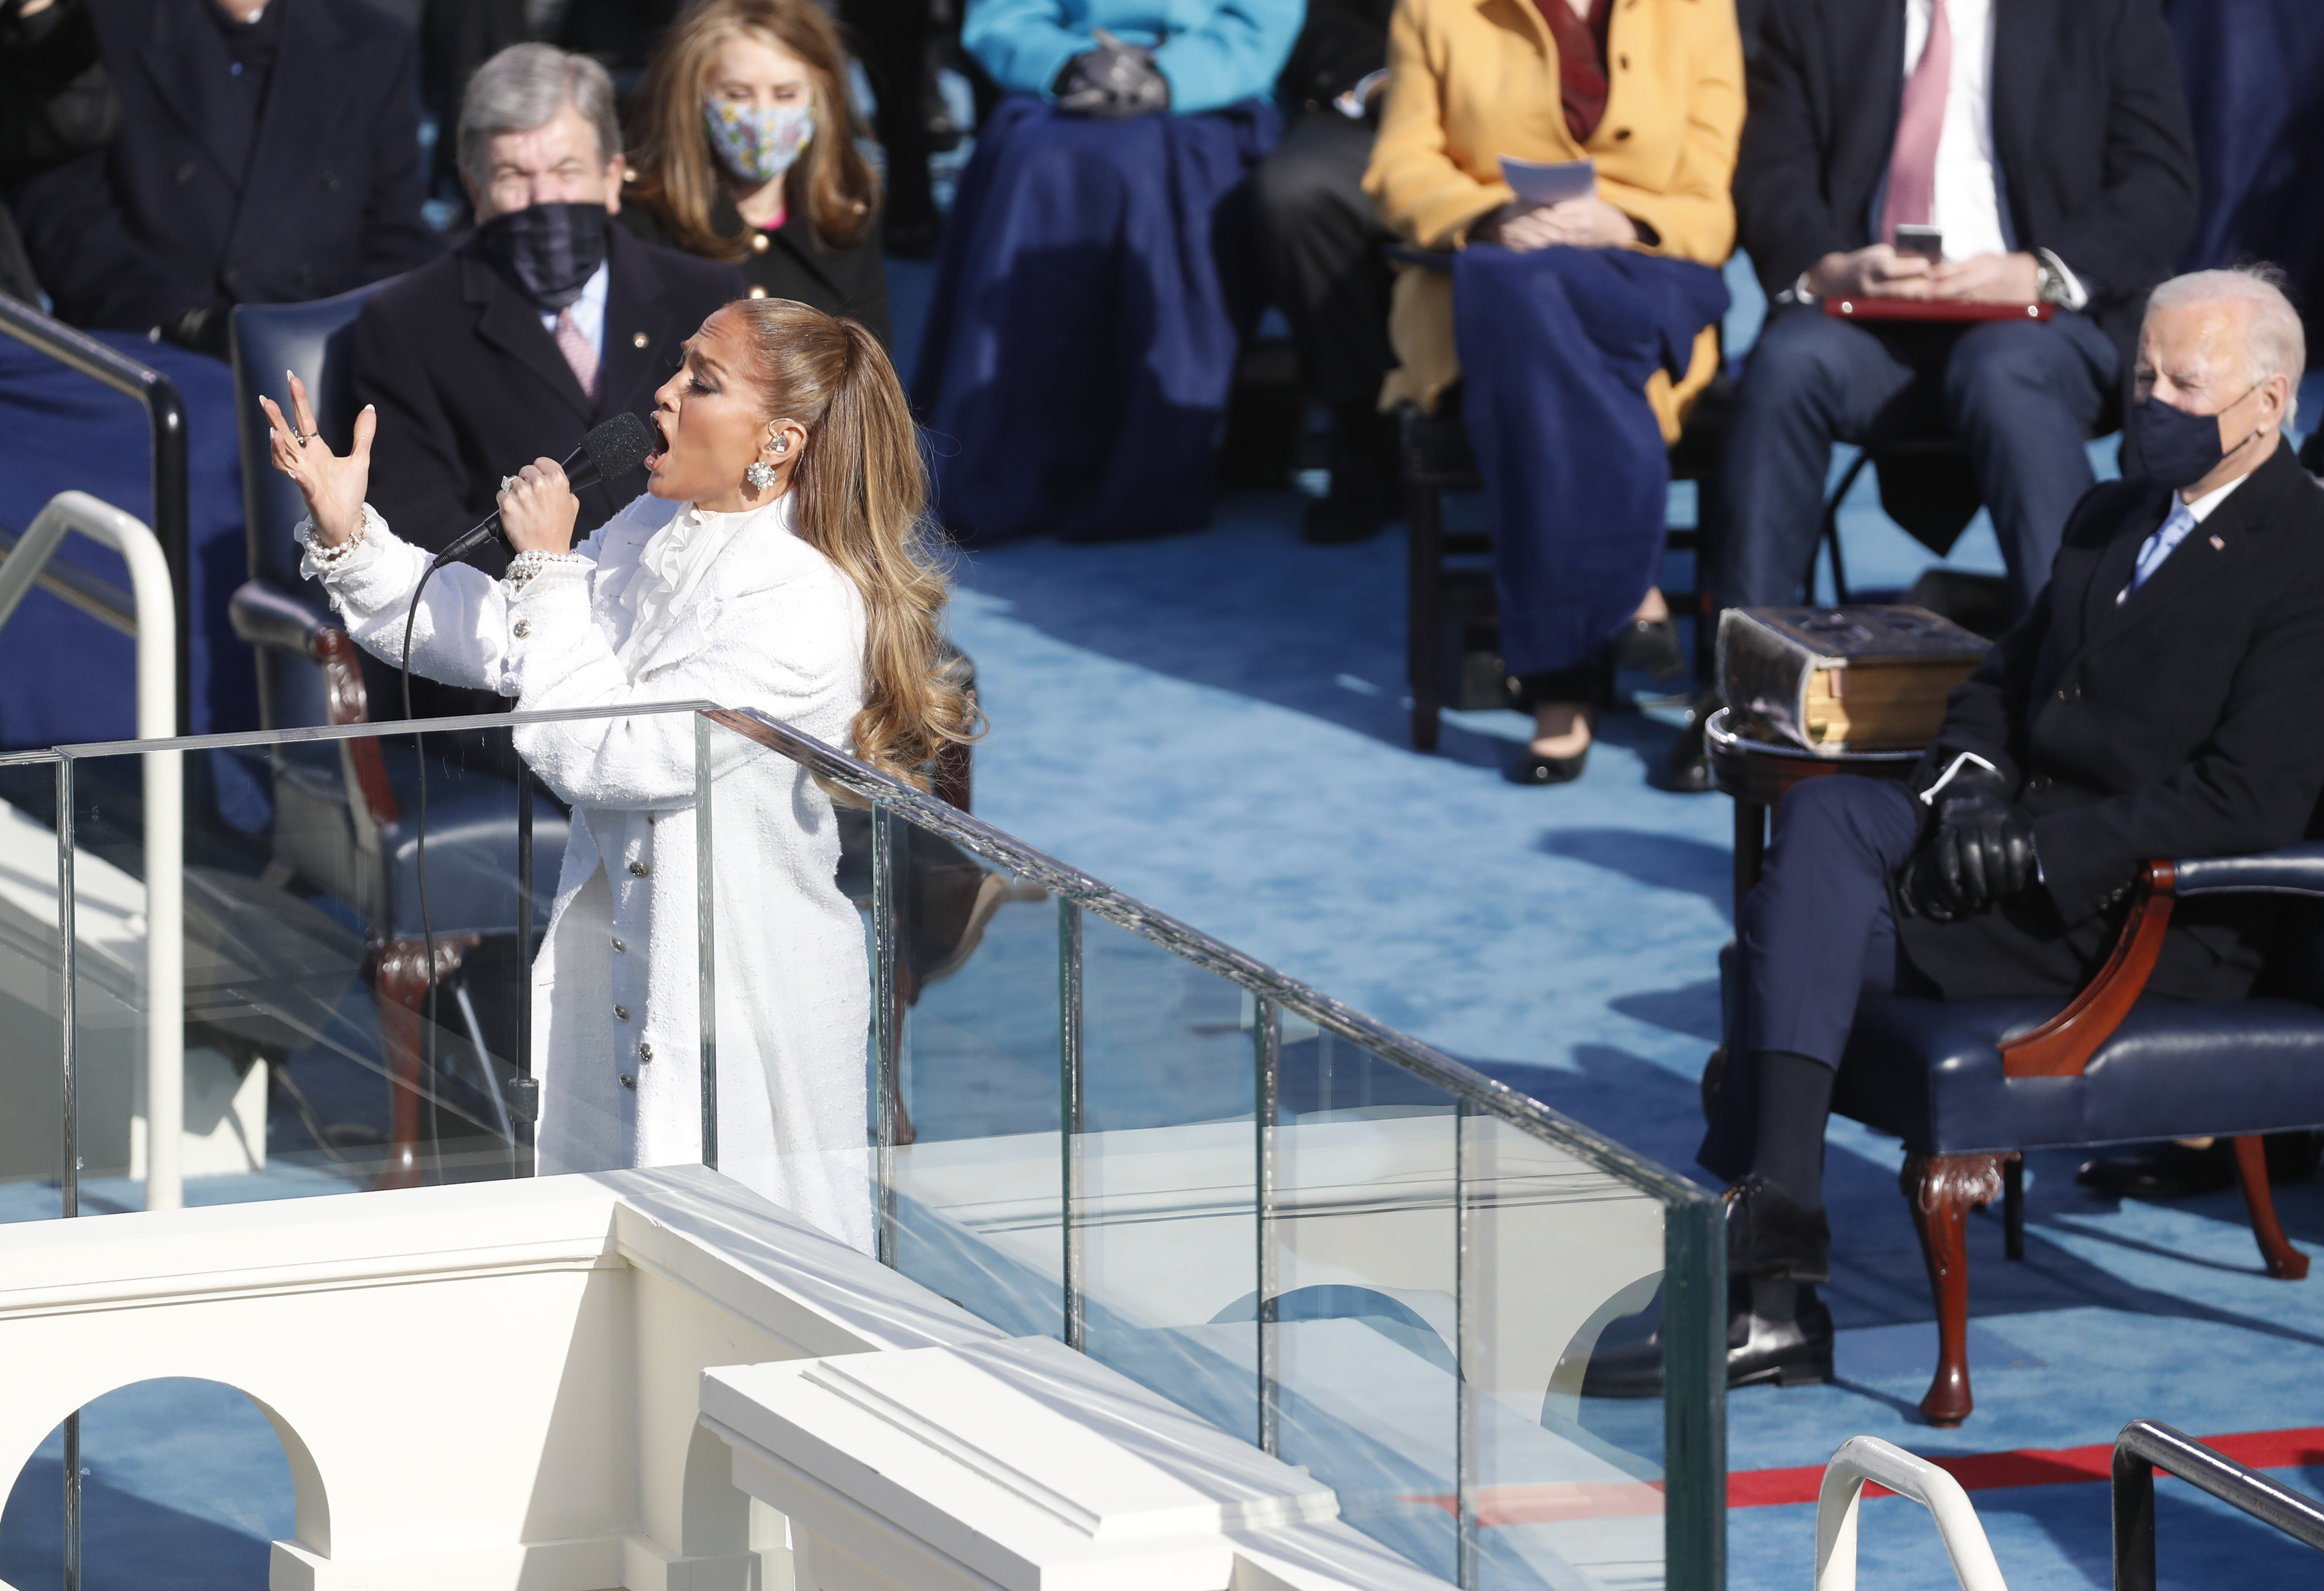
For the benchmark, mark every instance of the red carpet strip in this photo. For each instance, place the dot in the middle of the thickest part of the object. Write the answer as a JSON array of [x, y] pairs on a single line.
[[1553, 1502]]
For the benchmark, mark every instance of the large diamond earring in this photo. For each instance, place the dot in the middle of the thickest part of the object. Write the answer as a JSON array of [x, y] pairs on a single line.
[[761, 475]]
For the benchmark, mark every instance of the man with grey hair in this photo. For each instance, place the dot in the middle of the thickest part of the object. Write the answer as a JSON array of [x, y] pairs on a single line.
[[2159, 700], [542, 322]]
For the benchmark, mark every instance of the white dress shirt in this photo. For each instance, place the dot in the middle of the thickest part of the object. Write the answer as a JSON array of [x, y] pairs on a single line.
[[1967, 203], [588, 311]]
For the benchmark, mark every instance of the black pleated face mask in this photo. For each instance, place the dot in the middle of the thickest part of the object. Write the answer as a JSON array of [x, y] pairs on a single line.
[[549, 251]]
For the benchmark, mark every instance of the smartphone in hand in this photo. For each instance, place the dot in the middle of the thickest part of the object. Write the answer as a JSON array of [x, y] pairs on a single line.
[[1927, 242]]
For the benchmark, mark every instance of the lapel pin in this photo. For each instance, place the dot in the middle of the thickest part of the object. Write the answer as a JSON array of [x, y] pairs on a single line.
[[2217, 546]]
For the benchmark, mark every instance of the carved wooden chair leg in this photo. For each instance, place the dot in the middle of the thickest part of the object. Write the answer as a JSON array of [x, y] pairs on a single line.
[[2285, 1263], [2012, 1207], [1942, 1189], [399, 974]]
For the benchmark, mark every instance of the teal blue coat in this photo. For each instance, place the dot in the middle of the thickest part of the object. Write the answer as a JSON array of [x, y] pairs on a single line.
[[1213, 52]]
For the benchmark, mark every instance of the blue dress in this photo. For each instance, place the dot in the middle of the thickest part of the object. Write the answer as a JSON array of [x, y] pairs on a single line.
[[1097, 276]]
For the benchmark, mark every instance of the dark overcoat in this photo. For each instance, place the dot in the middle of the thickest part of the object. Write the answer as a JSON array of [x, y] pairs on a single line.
[[2186, 721]]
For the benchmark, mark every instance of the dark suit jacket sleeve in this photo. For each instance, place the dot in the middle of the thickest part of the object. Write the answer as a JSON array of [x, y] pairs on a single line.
[[82, 250], [1783, 221], [1980, 710], [2145, 209], [418, 483], [2251, 787], [396, 237]]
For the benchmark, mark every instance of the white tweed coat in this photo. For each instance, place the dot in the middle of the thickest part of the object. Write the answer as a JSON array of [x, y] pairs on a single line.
[[773, 625]]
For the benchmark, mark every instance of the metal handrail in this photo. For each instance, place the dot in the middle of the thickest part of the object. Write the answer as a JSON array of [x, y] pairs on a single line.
[[151, 592], [165, 411], [1868, 1459], [2145, 1446]]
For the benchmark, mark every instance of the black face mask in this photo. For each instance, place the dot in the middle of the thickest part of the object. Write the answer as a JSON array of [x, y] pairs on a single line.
[[549, 251], [2176, 448]]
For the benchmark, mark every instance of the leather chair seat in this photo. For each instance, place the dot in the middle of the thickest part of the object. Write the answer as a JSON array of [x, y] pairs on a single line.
[[1930, 1072]]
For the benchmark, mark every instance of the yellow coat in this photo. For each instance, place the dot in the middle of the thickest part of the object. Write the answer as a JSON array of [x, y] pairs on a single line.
[[1473, 80]]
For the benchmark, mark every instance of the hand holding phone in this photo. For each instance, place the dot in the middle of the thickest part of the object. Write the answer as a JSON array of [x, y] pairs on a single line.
[[1927, 242]]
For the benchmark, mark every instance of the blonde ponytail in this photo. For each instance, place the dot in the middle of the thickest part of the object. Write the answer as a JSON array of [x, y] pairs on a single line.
[[862, 495]]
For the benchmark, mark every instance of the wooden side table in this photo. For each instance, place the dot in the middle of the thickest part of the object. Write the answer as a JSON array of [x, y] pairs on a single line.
[[1756, 774]]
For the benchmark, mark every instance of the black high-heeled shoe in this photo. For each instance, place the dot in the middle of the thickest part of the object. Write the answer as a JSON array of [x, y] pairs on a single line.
[[1532, 768], [1651, 645]]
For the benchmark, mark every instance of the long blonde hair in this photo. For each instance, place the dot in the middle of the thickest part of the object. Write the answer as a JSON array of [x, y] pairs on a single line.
[[860, 493], [678, 176]]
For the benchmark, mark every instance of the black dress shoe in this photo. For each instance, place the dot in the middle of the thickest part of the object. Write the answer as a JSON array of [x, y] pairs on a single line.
[[2162, 1171], [1771, 1236], [1688, 769], [1650, 645], [1341, 520], [1532, 768], [1788, 1353]]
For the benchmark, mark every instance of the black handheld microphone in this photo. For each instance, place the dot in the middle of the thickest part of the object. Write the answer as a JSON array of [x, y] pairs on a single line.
[[606, 454]]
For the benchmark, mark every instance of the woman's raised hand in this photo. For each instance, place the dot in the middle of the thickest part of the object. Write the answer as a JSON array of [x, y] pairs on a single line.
[[332, 486], [538, 509]]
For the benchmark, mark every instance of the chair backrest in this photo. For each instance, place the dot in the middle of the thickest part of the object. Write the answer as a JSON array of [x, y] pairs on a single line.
[[317, 341]]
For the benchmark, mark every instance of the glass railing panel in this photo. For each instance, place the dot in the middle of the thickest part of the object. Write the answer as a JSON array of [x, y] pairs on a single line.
[[974, 1195], [1560, 1257], [1165, 1221], [353, 1018], [32, 982], [1363, 1250]]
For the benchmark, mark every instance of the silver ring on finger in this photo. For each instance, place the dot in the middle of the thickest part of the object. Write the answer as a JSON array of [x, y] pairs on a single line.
[[300, 438]]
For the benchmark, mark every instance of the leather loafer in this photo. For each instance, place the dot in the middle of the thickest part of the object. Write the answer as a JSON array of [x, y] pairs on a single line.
[[1533, 769], [1651, 645], [1787, 1353]]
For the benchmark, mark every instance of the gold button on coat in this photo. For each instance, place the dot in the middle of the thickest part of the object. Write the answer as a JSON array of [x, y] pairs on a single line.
[[628, 1082], [521, 628], [638, 341], [639, 869], [622, 1012], [758, 242], [645, 1052], [620, 949]]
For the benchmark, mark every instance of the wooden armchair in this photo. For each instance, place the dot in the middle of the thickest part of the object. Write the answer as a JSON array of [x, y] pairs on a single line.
[[1971, 1084]]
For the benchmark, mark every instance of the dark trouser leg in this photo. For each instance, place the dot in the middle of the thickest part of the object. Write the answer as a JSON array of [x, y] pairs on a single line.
[[1811, 380], [891, 39], [1322, 240], [1815, 936], [2023, 397]]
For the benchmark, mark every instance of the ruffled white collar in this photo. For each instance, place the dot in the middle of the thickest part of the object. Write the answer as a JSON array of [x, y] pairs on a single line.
[[673, 563]]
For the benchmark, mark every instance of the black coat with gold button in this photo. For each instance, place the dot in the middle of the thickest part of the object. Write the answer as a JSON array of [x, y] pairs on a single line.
[[2180, 722], [787, 262]]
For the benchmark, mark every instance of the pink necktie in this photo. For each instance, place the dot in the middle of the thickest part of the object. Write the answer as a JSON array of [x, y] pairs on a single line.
[[573, 344], [1920, 123]]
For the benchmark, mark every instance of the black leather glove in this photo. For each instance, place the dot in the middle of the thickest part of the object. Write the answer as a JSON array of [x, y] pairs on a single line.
[[202, 328], [1981, 853], [1112, 81]]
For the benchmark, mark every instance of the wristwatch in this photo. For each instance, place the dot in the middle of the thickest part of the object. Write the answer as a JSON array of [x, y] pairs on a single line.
[[2052, 279]]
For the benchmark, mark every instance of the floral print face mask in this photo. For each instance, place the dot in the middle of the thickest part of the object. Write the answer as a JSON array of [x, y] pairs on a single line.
[[758, 144]]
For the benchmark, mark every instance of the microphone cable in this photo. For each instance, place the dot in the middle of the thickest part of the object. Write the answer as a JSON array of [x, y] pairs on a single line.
[[611, 450]]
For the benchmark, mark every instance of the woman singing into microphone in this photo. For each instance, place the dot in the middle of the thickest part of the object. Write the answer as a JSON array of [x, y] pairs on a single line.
[[779, 561]]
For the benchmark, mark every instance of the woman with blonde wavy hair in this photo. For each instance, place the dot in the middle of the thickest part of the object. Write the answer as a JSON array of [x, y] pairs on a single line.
[[780, 562], [749, 154]]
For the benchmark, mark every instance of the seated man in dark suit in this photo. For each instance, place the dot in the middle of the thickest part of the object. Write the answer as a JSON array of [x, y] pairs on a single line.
[[2047, 143], [2160, 700], [543, 322], [268, 153]]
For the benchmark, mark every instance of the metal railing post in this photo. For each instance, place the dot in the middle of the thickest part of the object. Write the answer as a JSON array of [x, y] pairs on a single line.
[[1069, 1099], [1465, 1348], [706, 929], [2147, 1445], [524, 1101], [1267, 1040], [886, 1021], [69, 1173]]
